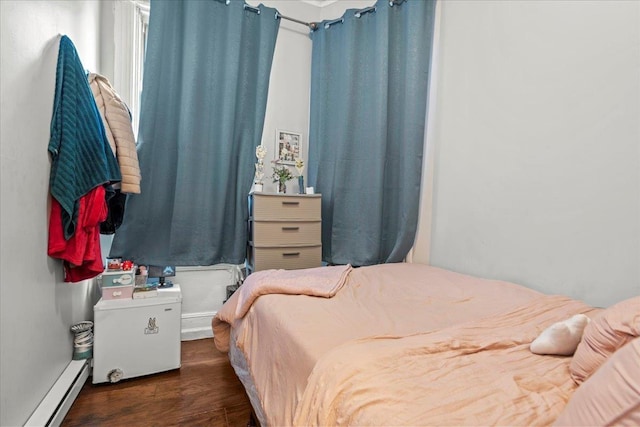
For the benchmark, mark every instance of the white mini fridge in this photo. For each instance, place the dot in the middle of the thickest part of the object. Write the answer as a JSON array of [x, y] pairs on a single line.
[[134, 337]]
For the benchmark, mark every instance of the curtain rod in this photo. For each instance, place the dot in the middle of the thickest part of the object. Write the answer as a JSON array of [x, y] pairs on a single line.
[[314, 25]]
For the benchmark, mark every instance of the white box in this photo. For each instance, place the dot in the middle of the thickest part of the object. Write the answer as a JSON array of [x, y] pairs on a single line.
[[118, 278], [137, 337], [117, 292]]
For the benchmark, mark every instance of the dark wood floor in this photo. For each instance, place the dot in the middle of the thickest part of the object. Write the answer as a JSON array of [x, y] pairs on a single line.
[[203, 392]]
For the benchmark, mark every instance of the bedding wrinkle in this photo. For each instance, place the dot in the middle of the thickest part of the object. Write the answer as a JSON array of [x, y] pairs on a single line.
[[443, 388], [436, 315]]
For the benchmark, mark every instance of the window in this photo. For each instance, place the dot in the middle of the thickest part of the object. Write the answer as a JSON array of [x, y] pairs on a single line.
[[131, 24]]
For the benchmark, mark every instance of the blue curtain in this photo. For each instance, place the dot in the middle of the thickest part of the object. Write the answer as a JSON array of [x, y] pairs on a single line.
[[203, 104], [369, 87]]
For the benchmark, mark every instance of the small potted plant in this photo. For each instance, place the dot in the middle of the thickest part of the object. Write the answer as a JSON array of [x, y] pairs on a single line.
[[281, 175]]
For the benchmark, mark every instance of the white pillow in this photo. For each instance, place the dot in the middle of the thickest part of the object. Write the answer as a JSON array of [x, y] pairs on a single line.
[[561, 338]]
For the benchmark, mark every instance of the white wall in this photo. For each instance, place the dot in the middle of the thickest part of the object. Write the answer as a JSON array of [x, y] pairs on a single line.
[[537, 146], [36, 307], [290, 82], [204, 289]]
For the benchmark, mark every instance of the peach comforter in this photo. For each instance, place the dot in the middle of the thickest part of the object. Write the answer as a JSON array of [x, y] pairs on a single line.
[[403, 344], [474, 374]]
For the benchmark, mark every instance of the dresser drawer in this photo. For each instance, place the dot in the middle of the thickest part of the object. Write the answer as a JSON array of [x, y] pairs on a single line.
[[282, 207], [289, 258], [286, 233]]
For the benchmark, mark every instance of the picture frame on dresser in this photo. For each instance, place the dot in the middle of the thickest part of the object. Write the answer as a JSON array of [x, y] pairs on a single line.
[[288, 146]]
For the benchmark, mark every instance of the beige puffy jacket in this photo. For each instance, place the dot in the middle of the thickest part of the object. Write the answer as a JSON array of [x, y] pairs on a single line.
[[117, 125]]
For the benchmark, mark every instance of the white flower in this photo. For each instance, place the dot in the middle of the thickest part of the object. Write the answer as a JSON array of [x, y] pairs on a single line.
[[261, 152], [300, 166], [259, 171]]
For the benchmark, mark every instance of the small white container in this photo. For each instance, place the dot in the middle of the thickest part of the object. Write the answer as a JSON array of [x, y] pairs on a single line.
[[118, 278], [117, 292]]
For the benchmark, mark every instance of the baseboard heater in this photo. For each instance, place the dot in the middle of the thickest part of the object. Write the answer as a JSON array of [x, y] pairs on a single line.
[[196, 326], [56, 403]]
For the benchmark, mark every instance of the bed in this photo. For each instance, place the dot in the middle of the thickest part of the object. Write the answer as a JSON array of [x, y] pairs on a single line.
[[397, 344]]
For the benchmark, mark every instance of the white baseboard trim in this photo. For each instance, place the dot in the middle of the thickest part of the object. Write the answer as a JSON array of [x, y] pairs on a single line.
[[196, 326], [56, 403]]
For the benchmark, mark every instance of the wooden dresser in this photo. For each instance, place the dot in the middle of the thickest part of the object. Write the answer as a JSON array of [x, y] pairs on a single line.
[[284, 231]]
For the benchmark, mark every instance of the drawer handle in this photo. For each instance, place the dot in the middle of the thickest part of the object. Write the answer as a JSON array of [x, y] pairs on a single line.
[[290, 254], [291, 203], [290, 228]]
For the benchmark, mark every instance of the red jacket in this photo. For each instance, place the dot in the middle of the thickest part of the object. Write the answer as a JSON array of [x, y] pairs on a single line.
[[81, 253]]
